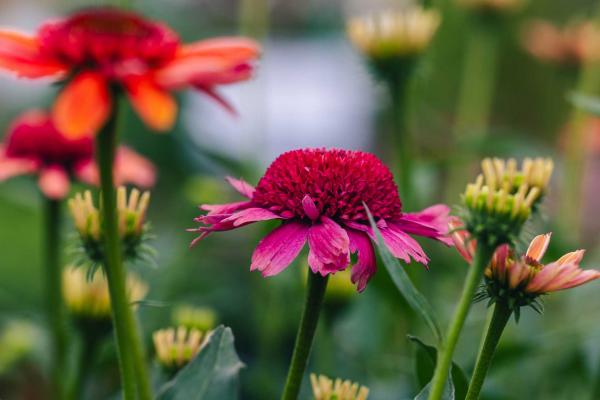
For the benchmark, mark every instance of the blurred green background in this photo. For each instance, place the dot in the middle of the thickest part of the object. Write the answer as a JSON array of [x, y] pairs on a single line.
[[312, 89]]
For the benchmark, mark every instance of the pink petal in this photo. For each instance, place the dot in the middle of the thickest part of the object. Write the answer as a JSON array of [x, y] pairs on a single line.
[[329, 247], [544, 278], [249, 215], [574, 257], [243, 187], [278, 249], [12, 166], [310, 209], [583, 277], [366, 265], [54, 182], [538, 247], [211, 92], [228, 208], [432, 222], [401, 245], [463, 243]]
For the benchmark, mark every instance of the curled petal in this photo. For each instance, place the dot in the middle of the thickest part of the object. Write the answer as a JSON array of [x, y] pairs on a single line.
[[19, 53], [310, 208], [573, 257], [278, 249], [329, 247], [243, 187], [155, 106], [461, 239], [54, 182], [83, 106], [366, 265], [538, 247]]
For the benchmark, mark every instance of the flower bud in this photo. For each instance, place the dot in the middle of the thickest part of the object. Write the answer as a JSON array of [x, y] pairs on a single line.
[[200, 318], [502, 199], [131, 213], [391, 39], [87, 297], [326, 389], [176, 347]]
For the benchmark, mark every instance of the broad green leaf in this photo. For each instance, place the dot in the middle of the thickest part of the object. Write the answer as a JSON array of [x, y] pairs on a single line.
[[425, 360], [212, 375], [415, 299], [586, 103]]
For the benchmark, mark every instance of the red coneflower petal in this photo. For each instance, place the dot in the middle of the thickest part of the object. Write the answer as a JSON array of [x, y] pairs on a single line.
[[83, 106], [276, 251], [366, 265], [329, 247], [155, 106], [19, 53], [54, 182]]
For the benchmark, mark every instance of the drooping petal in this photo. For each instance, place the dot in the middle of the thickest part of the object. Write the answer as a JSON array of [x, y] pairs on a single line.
[[243, 187], [538, 247], [584, 276], [432, 222], [19, 53], [213, 94], [12, 166], [464, 244], [329, 247], [366, 265], [278, 249], [155, 106], [550, 274], [401, 245], [54, 182], [83, 106]]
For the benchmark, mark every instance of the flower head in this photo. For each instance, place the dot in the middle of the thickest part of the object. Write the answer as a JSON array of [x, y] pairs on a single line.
[[319, 197], [33, 145], [575, 44], [177, 347], [87, 297], [326, 389], [201, 318], [521, 280], [492, 6], [97, 50], [131, 218], [393, 34], [502, 199]]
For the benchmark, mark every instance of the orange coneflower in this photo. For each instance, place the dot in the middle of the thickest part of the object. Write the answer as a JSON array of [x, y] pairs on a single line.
[[98, 51]]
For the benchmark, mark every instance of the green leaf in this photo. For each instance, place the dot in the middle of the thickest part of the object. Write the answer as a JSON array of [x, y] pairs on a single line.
[[586, 103], [415, 299], [212, 375], [425, 360]]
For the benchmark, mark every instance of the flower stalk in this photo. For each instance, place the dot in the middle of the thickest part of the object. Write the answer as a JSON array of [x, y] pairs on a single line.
[[53, 283], [129, 347], [500, 318], [315, 293], [482, 258]]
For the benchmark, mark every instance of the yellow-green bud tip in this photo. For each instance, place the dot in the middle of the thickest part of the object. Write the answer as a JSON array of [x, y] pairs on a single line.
[[325, 388]]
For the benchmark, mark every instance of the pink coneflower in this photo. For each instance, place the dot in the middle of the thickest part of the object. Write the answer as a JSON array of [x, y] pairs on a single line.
[[33, 145], [525, 277], [104, 48], [319, 195]]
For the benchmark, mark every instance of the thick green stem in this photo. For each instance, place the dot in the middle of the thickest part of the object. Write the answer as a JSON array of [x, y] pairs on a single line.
[[499, 320], [130, 351], [446, 350], [53, 285], [308, 324]]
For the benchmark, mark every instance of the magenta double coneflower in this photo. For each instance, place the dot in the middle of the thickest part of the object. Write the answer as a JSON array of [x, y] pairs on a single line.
[[319, 195]]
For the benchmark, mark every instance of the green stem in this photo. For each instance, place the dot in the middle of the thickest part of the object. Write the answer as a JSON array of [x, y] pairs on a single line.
[[53, 284], [85, 362], [499, 320], [446, 351], [401, 136], [308, 324], [129, 347]]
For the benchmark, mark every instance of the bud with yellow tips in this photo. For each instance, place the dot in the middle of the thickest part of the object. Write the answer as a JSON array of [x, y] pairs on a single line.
[[327, 389], [176, 347]]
